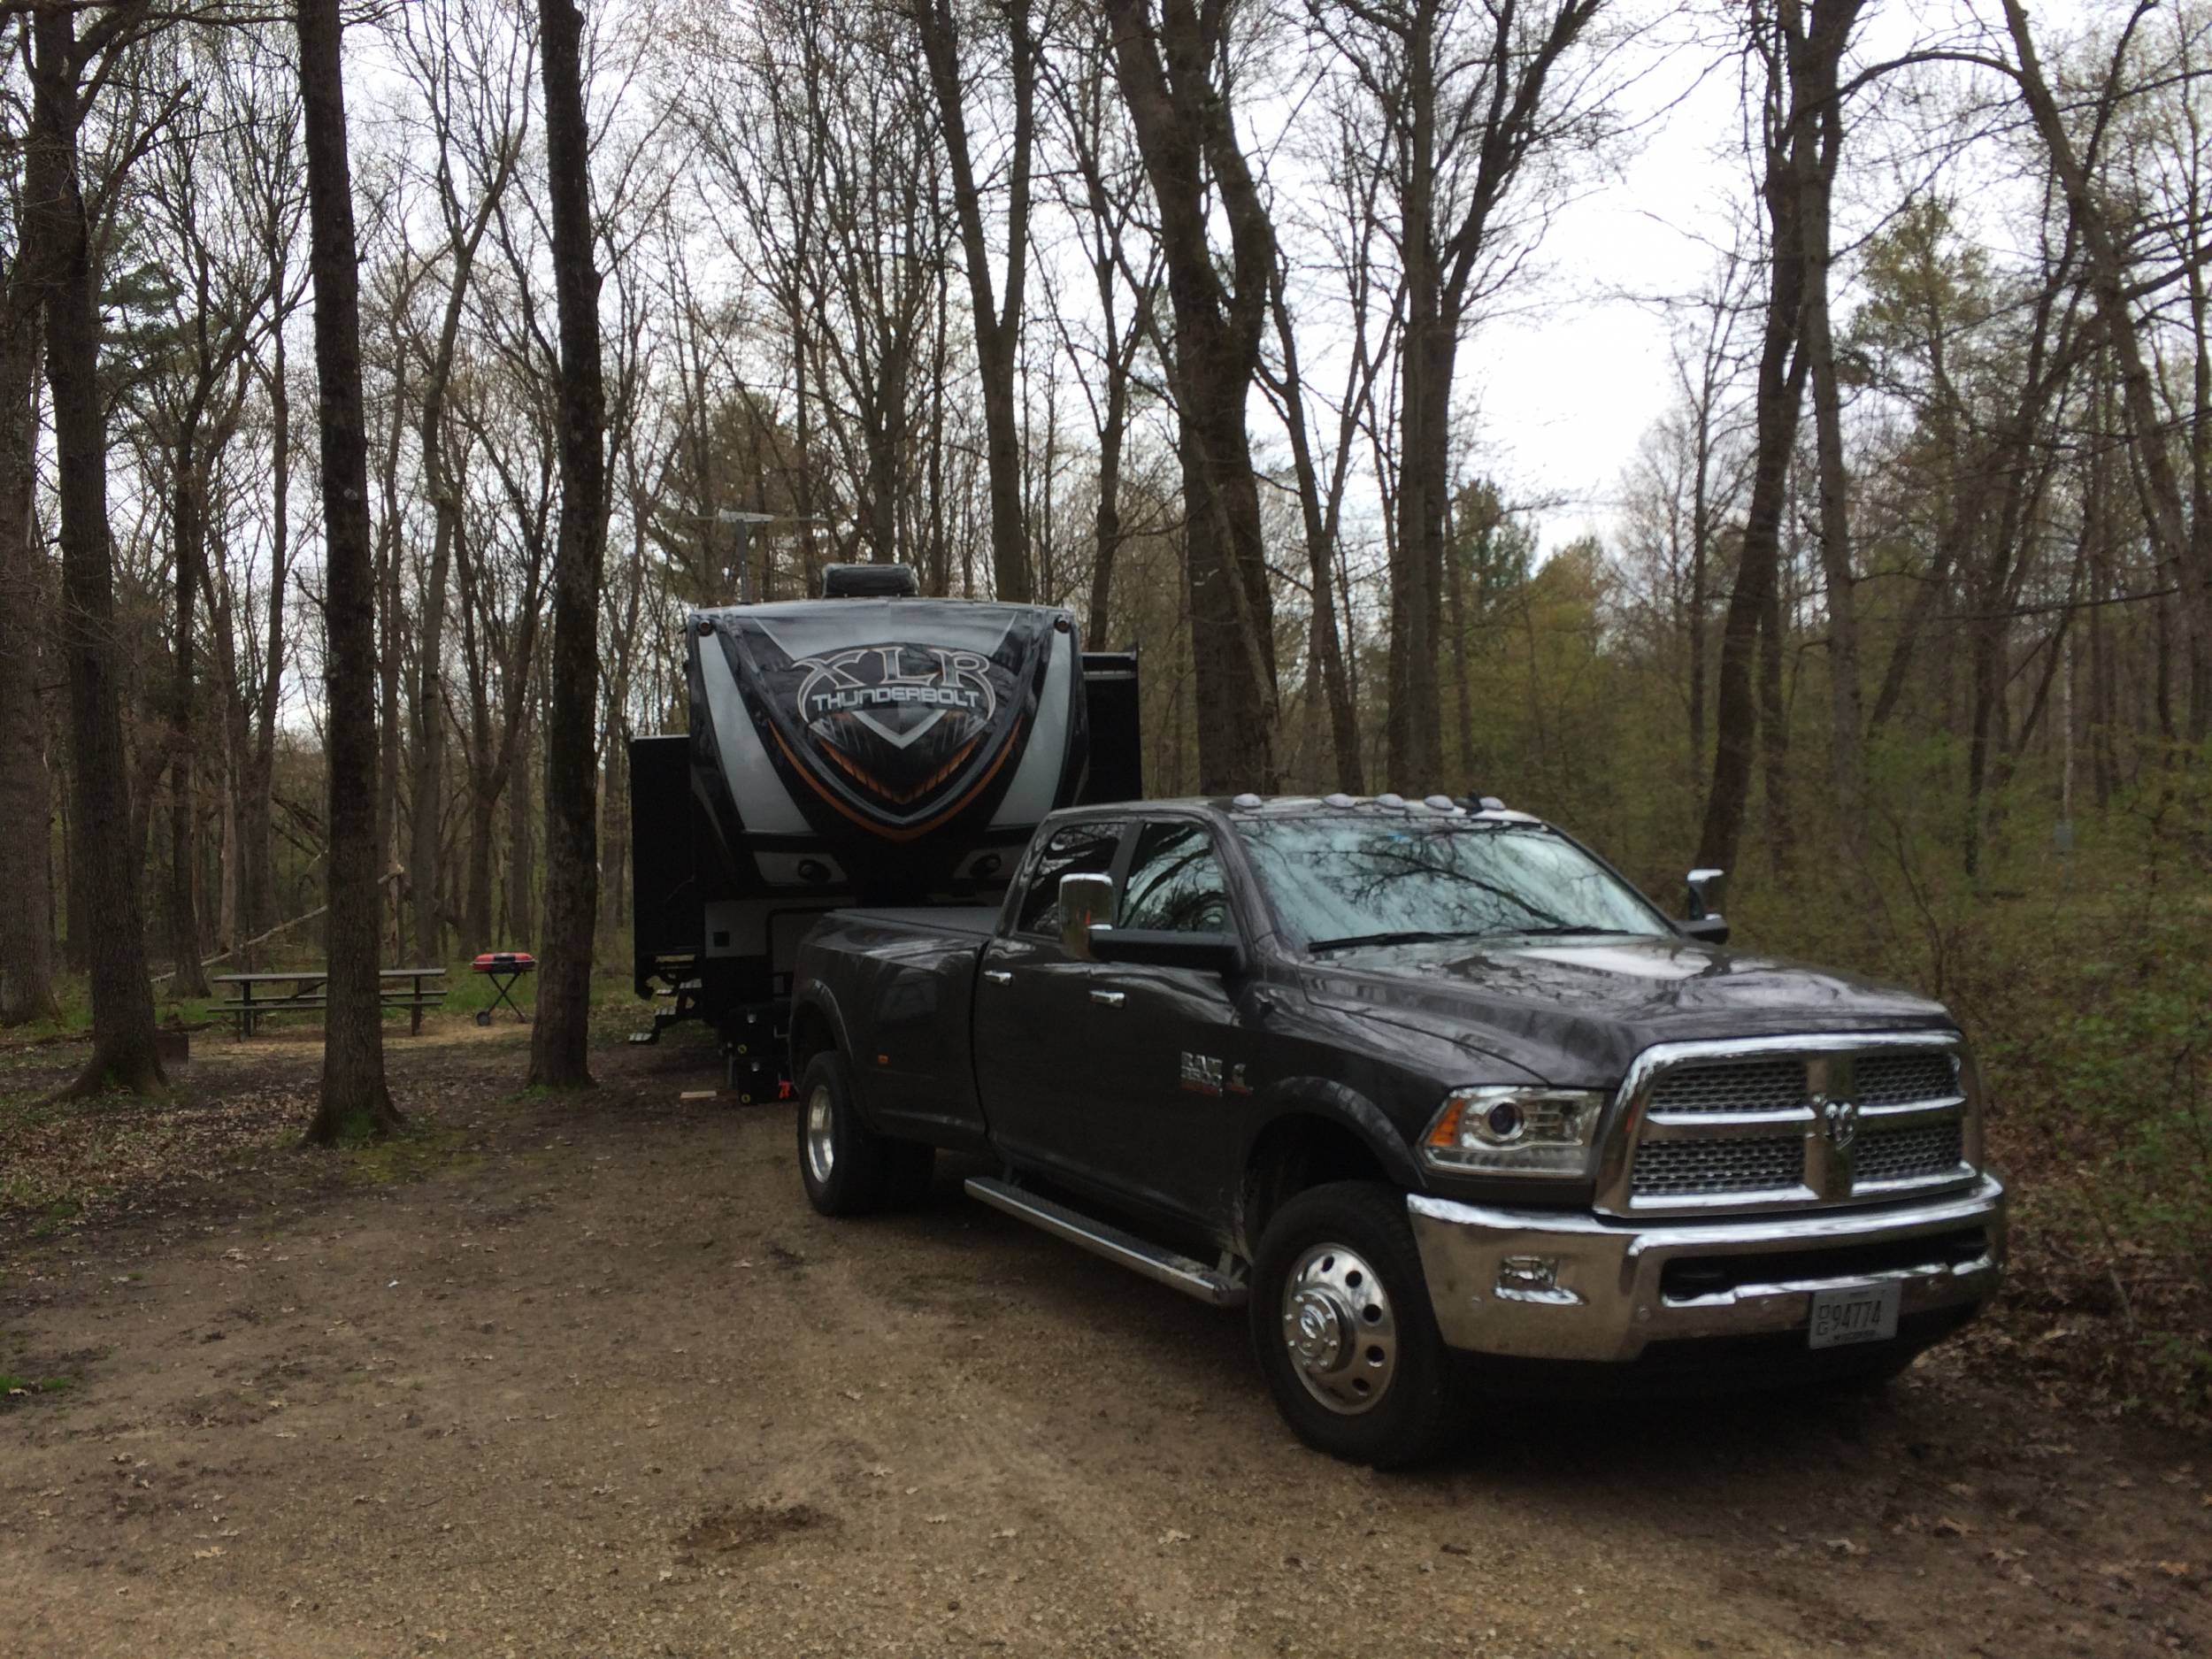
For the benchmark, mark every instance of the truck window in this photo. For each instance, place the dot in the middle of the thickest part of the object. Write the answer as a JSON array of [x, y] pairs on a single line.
[[1343, 877], [1174, 883], [1075, 849]]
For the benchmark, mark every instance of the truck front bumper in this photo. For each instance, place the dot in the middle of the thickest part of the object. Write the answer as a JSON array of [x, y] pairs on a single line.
[[1554, 1286]]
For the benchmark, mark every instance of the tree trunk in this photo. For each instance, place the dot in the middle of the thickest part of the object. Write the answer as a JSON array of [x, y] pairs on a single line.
[[1414, 733], [1814, 167], [515, 907], [26, 806], [54, 215], [190, 521], [1802, 52], [258, 876], [1185, 133], [1774, 739], [1326, 678], [1106, 525], [560, 1041], [998, 322], [390, 622], [355, 1102]]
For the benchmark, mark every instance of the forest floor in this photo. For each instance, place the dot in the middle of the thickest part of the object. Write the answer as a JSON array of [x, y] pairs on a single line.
[[587, 1376]]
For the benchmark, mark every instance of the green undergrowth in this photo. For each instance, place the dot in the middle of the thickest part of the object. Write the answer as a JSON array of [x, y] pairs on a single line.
[[424, 1146], [467, 992], [17, 1391], [2083, 975]]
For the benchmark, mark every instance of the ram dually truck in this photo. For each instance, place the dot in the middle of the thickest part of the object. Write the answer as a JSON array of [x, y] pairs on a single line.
[[1434, 1092]]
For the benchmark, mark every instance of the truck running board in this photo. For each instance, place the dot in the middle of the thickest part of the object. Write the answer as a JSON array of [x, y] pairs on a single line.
[[1178, 1273]]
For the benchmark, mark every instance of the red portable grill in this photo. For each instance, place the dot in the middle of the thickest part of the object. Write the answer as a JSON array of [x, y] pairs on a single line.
[[503, 968]]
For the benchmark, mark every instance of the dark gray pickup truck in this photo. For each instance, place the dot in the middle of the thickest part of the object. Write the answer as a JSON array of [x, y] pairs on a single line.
[[1434, 1092]]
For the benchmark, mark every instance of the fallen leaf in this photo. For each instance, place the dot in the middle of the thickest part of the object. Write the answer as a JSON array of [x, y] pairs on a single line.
[[1946, 1527]]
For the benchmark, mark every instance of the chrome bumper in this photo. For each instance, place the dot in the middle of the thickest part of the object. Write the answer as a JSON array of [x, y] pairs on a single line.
[[1550, 1285]]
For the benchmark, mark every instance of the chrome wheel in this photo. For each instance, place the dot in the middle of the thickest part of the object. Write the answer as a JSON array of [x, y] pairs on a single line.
[[821, 1144], [1338, 1329]]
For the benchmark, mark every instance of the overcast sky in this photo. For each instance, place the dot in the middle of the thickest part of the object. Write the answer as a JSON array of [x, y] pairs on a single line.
[[1564, 390]]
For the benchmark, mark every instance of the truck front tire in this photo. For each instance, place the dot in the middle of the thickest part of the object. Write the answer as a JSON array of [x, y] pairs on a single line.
[[1342, 1324], [847, 1168]]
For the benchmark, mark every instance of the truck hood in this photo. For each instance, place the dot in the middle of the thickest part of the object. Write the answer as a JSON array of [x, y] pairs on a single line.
[[1576, 1012]]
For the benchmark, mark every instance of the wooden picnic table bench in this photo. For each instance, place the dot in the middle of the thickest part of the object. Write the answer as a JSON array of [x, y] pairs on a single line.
[[410, 989]]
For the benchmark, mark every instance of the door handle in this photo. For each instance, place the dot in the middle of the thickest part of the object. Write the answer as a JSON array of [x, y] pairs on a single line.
[[998, 976], [1112, 999]]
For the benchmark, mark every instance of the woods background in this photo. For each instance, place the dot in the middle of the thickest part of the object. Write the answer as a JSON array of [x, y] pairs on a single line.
[[1172, 311]]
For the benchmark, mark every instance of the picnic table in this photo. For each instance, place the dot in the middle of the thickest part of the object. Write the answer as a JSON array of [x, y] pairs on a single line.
[[413, 989]]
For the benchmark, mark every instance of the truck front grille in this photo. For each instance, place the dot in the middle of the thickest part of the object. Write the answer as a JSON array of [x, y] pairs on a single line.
[[1775, 1123], [1732, 1085], [1906, 1154], [1899, 1079], [1761, 1165]]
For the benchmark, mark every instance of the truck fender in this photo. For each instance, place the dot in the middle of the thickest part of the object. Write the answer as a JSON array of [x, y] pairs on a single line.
[[817, 1023], [1330, 1102]]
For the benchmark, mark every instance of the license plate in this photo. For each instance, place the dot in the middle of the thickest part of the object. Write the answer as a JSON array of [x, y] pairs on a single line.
[[1865, 1313]]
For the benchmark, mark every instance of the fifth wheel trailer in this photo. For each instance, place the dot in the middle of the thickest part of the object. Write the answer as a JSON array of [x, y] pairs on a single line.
[[878, 747]]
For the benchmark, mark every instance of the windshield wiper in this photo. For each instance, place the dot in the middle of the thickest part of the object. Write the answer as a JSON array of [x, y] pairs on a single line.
[[1414, 936], [1561, 930]]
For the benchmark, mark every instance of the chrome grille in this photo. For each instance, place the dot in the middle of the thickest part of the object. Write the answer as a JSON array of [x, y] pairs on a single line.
[[1782, 1122], [1904, 1154], [1732, 1085], [1676, 1169], [1899, 1079]]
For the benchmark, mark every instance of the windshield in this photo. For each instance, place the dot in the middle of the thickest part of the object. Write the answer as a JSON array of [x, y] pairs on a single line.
[[1341, 880]]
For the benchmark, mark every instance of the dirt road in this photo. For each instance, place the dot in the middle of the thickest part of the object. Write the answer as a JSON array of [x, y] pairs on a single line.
[[591, 1378]]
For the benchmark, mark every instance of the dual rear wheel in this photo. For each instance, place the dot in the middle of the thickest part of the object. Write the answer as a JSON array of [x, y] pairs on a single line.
[[847, 1169]]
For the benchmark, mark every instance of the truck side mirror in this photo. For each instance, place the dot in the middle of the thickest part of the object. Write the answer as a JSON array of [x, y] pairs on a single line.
[[1705, 920], [1085, 901]]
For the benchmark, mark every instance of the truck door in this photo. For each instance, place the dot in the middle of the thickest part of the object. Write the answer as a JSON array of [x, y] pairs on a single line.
[[1169, 1079], [1035, 1026]]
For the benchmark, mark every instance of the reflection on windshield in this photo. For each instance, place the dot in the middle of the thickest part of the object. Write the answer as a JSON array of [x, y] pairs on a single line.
[[1341, 880]]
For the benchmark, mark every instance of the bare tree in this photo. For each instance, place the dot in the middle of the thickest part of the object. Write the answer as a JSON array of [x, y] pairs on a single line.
[[26, 877], [58, 219], [1800, 51], [469, 73], [997, 316], [2157, 479], [355, 1100], [1181, 104], [1470, 106], [557, 1046]]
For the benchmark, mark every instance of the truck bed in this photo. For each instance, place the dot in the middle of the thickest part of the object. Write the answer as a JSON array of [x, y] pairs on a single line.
[[978, 919], [904, 997]]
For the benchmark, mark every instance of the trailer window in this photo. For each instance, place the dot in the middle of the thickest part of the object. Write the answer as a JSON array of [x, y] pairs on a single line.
[[1075, 849]]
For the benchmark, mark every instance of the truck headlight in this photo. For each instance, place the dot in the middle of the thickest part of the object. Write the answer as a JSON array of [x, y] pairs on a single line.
[[1515, 1131]]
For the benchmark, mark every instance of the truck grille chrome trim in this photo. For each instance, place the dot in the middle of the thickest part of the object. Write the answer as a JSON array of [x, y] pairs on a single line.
[[1754, 1164], [1895, 1155], [1731, 1087], [1790, 1123]]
